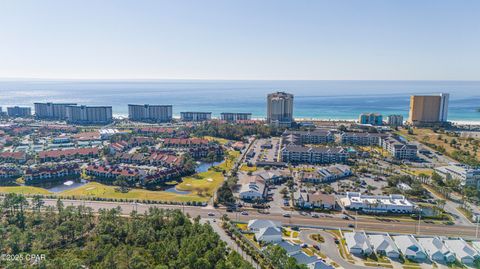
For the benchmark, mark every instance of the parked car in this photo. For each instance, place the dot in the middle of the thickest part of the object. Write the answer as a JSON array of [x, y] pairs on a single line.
[[245, 213], [317, 247], [315, 216]]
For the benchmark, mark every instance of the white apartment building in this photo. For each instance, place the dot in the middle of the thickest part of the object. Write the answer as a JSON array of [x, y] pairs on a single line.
[[467, 176]]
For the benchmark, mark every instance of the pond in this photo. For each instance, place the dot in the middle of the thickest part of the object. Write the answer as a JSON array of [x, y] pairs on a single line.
[[66, 185], [203, 167]]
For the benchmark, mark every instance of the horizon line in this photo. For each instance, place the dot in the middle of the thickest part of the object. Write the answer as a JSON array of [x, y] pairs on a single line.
[[213, 79]]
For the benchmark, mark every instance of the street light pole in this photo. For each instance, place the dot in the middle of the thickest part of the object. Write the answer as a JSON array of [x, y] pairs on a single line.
[[419, 218], [476, 228], [356, 217]]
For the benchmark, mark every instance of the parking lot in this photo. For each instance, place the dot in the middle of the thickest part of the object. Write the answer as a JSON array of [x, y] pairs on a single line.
[[264, 150]]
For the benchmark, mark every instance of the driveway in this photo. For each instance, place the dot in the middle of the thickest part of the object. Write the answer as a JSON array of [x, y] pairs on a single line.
[[329, 248]]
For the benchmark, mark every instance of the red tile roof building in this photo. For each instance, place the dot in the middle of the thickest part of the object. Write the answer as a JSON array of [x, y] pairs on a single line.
[[68, 154]]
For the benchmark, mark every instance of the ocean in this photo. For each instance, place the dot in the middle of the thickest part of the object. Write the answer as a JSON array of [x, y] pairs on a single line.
[[313, 99]]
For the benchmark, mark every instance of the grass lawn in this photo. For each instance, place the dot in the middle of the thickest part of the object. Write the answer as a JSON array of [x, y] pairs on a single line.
[[206, 183], [318, 237], [341, 247], [251, 237], [374, 264], [418, 171], [95, 189], [427, 135], [245, 168], [222, 141], [201, 185], [286, 233], [242, 226], [377, 259], [24, 190], [465, 212]]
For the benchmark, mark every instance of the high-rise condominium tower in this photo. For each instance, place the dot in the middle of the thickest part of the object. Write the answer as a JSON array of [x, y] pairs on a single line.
[[280, 108]]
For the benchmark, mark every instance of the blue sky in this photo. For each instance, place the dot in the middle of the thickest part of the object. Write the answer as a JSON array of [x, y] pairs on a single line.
[[261, 39]]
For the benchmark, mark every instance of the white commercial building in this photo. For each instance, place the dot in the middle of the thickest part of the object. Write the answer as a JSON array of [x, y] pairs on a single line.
[[393, 203], [253, 188]]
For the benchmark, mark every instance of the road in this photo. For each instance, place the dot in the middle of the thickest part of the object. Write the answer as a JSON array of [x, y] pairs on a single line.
[[232, 244], [329, 248], [367, 224]]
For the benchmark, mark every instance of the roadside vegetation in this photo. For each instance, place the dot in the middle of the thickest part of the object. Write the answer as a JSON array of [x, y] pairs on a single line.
[[74, 237]]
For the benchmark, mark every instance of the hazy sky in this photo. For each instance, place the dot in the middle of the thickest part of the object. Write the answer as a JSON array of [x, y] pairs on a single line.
[[258, 39]]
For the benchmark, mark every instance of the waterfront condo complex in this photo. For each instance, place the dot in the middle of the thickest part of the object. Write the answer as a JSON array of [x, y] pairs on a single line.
[[427, 110], [234, 117], [280, 108], [150, 113], [195, 116], [371, 118], [52, 111], [89, 114], [17, 111]]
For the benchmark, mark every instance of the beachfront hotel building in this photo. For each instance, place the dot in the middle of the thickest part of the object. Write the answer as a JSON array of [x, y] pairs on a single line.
[[375, 119], [52, 111], [233, 117], [427, 110], [395, 120], [280, 108], [195, 116], [89, 114], [150, 113], [17, 111]]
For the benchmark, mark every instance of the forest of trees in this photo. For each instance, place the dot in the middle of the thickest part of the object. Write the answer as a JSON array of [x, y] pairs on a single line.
[[75, 237], [236, 131]]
